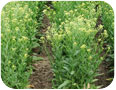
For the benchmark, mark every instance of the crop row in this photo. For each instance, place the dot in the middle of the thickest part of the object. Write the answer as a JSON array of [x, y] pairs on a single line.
[[18, 28]]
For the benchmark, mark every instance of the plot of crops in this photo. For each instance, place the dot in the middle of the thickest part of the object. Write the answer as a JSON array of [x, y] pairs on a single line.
[[57, 44]]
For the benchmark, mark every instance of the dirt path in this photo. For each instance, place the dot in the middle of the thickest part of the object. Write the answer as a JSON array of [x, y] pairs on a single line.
[[102, 79], [42, 75]]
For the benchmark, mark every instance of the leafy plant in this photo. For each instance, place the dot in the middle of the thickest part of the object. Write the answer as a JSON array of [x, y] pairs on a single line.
[[77, 54], [18, 28]]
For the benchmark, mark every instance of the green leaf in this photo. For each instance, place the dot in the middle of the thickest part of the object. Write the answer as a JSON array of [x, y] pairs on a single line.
[[98, 87], [66, 68], [109, 79], [35, 54], [37, 58], [99, 74], [64, 84], [94, 80], [35, 45], [76, 52]]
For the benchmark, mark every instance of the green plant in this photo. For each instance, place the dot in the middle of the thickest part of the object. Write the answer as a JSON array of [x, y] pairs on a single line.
[[77, 55], [108, 21], [18, 27]]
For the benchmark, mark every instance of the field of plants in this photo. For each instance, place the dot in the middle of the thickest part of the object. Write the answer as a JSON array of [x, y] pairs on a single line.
[[57, 44]]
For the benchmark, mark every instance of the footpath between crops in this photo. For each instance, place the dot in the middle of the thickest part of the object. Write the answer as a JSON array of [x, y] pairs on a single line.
[[42, 75]]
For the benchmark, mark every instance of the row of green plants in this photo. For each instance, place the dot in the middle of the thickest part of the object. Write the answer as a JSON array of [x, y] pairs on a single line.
[[18, 29], [108, 22], [76, 51]]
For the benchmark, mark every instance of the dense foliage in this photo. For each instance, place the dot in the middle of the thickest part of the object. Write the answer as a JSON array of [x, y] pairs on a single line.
[[18, 28], [108, 22], [77, 52]]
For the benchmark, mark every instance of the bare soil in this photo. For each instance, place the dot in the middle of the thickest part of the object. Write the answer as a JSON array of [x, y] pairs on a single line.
[[42, 75], [102, 79]]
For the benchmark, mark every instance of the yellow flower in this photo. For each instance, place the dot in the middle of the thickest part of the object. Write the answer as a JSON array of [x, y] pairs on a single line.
[[48, 37], [83, 4], [13, 14], [44, 11], [17, 28], [9, 62], [25, 55], [71, 11], [37, 8], [13, 49], [89, 25], [30, 19], [75, 10], [20, 39], [42, 38], [101, 58], [27, 49], [1, 35], [26, 6], [112, 38], [108, 48], [67, 13], [88, 50], [59, 37], [48, 27], [83, 46], [75, 84], [90, 58], [75, 44], [68, 32], [55, 35], [8, 30], [93, 10], [26, 16], [12, 8], [62, 23], [54, 12], [60, 19], [13, 66], [13, 38], [100, 26], [25, 38], [82, 29], [20, 20], [14, 20], [99, 40], [105, 33], [20, 8]]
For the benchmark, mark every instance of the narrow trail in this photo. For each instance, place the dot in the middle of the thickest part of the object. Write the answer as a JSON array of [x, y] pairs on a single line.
[[42, 75]]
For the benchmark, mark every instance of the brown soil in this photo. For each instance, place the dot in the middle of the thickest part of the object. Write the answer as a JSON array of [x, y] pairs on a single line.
[[102, 79], [42, 75]]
